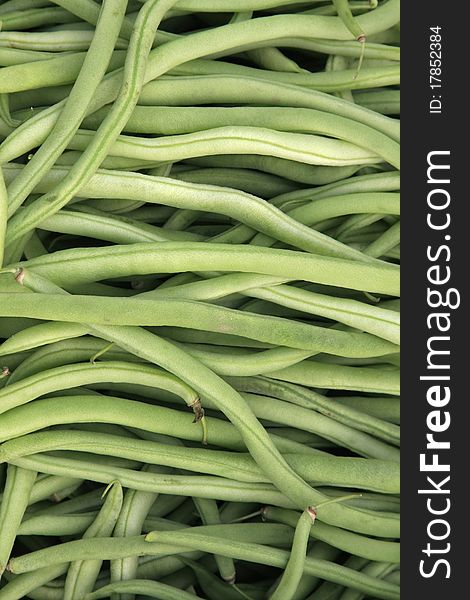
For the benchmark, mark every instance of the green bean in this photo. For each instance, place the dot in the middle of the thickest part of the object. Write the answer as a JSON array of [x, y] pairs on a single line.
[[385, 102], [344, 12], [260, 554], [367, 318], [49, 487], [348, 541], [7, 122], [251, 363], [316, 374], [70, 157], [95, 223], [326, 208], [22, 585], [308, 583], [227, 6], [57, 70], [327, 591], [10, 57], [376, 569], [35, 17], [56, 525], [356, 223], [210, 584], [183, 515], [393, 577], [385, 408], [120, 230], [272, 59], [355, 6], [293, 571], [65, 492], [343, 435], [224, 89], [284, 445], [158, 568], [349, 412], [141, 259], [50, 41], [236, 204], [63, 353], [86, 502], [165, 504], [385, 242], [14, 5], [132, 418], [87, 10], [114, 548], [336, 62], [214, 287], [41, 335], [291, 170], [153, 589], [181, 120], [345, 48], [209, 513], [95, 64], [134, 511], [347, 79], [131, 311], [264, 336], [365, 184], [377, 182], [323, 208], [82, 574], [259, 184], [18, 486], [34, 247], [308, 149], [82, 374], [170, 422]]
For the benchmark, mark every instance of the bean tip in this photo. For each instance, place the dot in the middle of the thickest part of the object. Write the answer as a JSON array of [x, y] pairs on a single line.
[[19, 276], [312, 512]]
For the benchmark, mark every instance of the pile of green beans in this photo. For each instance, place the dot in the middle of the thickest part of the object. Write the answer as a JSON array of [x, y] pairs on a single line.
[[199, 299]]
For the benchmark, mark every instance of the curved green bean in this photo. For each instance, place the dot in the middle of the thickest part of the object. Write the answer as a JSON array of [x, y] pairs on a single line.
[[181, 120], [375, 475], [317, 374], [153, 589], [66, 266], [327, 570], [41, 335], [134, 511], [18, 486], [233, 203], [81, 575], [181, 313], [294, 569]]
